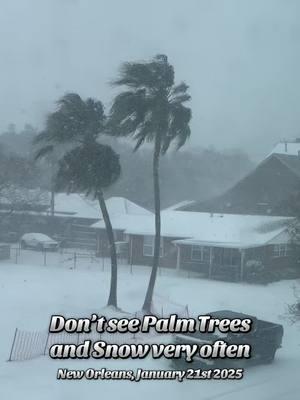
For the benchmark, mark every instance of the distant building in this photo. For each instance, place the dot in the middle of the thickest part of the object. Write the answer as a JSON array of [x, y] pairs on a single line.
[[265, 191]]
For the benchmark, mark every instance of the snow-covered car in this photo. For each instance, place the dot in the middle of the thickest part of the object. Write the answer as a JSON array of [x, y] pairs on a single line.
[[38, 241]]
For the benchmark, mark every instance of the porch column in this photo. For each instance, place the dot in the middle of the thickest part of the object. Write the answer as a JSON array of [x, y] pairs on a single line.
[[97, 243], [178, 258], [242, 264], [130, 249], [210, 262]]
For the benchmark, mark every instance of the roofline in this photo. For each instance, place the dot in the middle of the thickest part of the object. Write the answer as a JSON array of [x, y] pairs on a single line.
[[284, 163]]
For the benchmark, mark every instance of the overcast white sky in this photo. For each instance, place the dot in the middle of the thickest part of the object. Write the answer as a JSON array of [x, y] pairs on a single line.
[[241, 59]]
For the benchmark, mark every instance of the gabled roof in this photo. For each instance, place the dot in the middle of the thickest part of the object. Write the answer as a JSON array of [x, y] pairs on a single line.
[[79, 206]]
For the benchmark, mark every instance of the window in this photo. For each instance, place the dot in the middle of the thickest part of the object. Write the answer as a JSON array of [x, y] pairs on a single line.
[[200, 253], [231, 257], [280, 250], [148, 246]]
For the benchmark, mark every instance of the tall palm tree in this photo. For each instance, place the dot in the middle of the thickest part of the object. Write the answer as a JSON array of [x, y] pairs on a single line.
[[84, 164], [151, 109]]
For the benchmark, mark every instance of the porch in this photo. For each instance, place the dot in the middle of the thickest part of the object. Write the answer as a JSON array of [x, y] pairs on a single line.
[[212, 261]]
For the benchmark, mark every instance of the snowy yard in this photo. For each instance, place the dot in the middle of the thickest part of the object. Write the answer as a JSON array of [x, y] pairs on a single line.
[[31, 292]]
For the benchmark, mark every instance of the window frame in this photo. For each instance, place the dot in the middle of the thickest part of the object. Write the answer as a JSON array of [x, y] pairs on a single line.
[[282, 250], [202, 250], [161, 253]]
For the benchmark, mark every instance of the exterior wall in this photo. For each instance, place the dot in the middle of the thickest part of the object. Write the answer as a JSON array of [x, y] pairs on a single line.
[[265, 254], [136, 256], [102, 241], [223, 263], [79, 234], [24, 223], [188, 264], [63, 228], [221, 266]]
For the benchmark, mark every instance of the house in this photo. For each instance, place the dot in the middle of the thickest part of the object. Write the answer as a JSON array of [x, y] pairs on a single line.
[[122, 212], [79, 212], [264, 191], [73, 215], [207, 243]]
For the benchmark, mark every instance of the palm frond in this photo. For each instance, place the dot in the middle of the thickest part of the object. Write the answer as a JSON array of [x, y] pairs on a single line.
[[153, 104], [154, 74], [99, 168], [75, 120], [43, 152]]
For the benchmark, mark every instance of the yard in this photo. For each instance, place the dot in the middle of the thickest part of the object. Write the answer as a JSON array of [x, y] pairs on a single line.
[[30, 292]]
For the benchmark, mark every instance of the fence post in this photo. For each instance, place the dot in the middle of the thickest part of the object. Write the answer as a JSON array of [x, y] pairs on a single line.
[[75, 260], [187, 310], [45, 257], [134, 335], [16, 256], [13, 344], [46, 344]]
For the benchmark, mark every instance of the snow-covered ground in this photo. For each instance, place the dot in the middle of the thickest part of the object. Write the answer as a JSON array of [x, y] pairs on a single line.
[[30, 292]]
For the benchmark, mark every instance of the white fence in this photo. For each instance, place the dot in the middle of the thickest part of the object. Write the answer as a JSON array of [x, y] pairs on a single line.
[[28, 345]]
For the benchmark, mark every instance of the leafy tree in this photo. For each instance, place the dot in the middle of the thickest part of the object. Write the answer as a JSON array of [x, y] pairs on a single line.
[[85, 165], [151, 109]]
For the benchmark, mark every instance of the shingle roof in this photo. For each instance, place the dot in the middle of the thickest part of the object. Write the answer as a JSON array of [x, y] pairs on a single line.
[[290, 161]]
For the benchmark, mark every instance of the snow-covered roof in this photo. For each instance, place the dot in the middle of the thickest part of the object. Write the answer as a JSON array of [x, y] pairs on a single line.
[[79, 206], [224, 230], [180, 204], [122, 206], [14, 194], [291, 148]]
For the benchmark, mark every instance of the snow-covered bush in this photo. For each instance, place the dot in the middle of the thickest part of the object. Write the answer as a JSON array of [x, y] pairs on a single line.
[[254, 271], [294, 309]]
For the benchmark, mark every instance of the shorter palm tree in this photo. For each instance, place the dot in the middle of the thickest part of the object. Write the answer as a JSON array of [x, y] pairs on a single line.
[[84, 164], [91, 169]]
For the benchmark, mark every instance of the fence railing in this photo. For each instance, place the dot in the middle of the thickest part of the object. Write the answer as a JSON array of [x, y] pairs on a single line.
[[29, 345], [70, 258]]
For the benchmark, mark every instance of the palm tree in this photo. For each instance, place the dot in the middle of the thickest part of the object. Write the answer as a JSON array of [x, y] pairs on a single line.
[[151, 109], [84, 164]]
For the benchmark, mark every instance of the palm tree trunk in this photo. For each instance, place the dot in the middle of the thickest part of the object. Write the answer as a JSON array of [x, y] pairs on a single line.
[[52, 202], [52, 199], [112, 298], [155, 264]]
